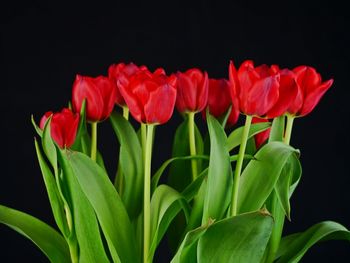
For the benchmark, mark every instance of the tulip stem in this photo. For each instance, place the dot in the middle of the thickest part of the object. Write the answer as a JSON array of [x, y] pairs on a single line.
[[192, 140], [289, 127], [147, 193], [73, 250], [93, 140], [118, 181], [239, 165]]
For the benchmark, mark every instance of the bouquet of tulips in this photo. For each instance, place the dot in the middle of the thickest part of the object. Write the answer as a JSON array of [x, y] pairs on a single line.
[[228, 190]]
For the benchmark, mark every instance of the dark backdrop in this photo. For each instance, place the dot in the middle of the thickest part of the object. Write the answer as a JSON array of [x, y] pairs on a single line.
[[44, 46]]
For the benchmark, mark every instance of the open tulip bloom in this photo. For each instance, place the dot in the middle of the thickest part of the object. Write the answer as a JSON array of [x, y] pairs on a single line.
[[228, 191]]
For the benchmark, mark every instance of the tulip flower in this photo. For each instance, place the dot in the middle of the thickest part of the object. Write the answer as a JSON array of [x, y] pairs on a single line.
[[120, 74], [219, 100], [99, 92], [63, 126], [150, 96], [254, 89], [261, 137], [192, 91], [310, 90]]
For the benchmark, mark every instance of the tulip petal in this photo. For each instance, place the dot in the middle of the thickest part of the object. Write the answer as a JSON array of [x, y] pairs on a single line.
[[187, 93], [234, 85], [132, 102]]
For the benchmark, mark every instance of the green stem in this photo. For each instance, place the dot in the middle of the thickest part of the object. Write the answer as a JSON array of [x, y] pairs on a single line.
[[73, 250], [143, 139], [289, 127], [147, 193], [239, 165], [119, 178], [93, 140], [192, 141]]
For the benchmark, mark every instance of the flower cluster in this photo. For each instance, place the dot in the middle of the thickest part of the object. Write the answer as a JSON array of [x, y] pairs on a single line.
[[263, 92]]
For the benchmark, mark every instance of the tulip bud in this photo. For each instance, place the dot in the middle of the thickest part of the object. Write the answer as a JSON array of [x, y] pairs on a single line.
[[100, 96], [120, 74], [254, 89], [63, 126], [310, 90], [150, 97], [192, 90], [219, 100], [261, 137]]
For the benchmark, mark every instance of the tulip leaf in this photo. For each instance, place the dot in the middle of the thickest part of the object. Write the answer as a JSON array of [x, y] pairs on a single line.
[[108, 206], [235, 138], [260, 175], [180, 175], [192, 189], [49, 146], [166, 203], [84, 218], [293, 247], [50, 242], [187, 252], [56, 202], [277, 129], [160, 171], [240, 239], [131, 164], [36, 127], [219, 186]]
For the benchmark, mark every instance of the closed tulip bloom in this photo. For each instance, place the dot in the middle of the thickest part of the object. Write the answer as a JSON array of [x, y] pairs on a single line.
[[120, 74], [261, 137], [219, 100], [288, 91], [63, 127], [192, 91], [150, 97], [254, 89], [99, 92], [310, 90]]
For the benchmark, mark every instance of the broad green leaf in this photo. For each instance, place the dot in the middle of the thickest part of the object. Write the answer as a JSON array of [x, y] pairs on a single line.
[[180, 175], [50, 242], [160, 171], [219, 187], [85, 223], [192, 189], [131, 163], [185, 252], [293, 247], [234, 139], [56, 202], [277, 129], [166, 203], [36, 127], [49, 146], [242, 238], [109, 208], [260, 175]]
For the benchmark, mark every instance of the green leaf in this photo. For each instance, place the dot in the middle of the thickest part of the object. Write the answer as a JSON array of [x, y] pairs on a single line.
[[160, 171], [180, 175], [234, 139], [277, 129], [219, 187], [49, 146], [36, 127], [131, 164], [260, 175], [185, 252], [166, 203], [242, 238], [56, 202], [192, 189], [84, 219], [110, 211], [293, 247], [50, 242]]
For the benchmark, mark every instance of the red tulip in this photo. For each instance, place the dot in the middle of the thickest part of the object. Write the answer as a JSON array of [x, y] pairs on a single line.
[[150, 97], [100, 96], [254, 89], [288, 91], [261, 137], [219, 100], [64, 126], [120, 74], [310, 90], [192, 91]]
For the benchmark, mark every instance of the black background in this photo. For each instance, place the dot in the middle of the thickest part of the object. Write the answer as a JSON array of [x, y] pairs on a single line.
[[44, 46]]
